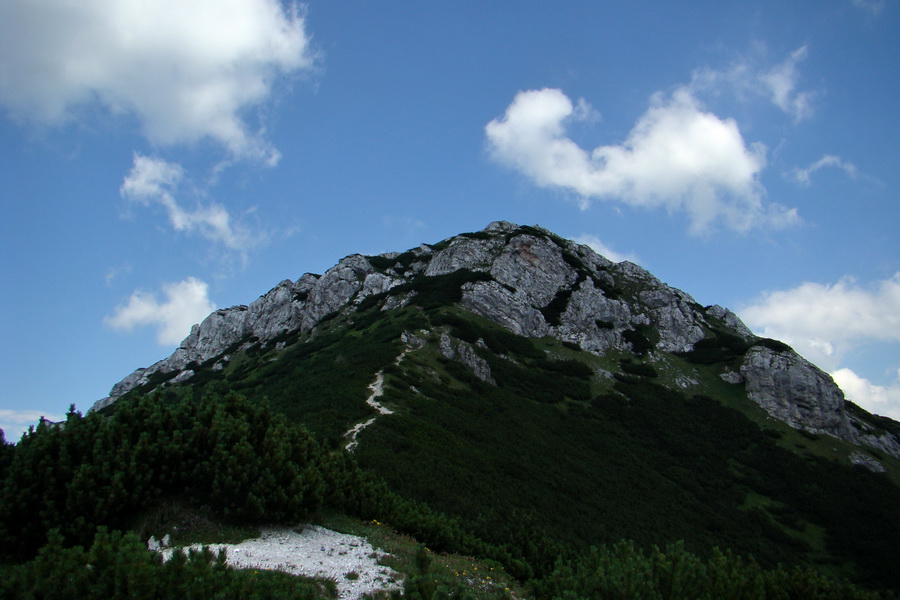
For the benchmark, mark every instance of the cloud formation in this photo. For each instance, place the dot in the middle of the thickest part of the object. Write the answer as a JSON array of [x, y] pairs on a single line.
[[746, 77], [825, 322], [677, 156], [829, 320], [804, 176], [602, 249], [188, 71], [154, 180], [781, 83], [187, 303], [878, 399]]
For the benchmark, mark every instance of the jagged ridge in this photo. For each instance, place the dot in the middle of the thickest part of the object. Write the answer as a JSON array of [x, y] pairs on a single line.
[[535, 284]]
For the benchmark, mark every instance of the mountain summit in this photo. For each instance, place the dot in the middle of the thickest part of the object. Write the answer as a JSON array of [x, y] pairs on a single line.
[[535, 284]]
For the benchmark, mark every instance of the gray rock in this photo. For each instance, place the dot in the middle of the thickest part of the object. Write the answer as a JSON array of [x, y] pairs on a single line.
[[464, 353], [464, 253], [867, 461], [731, 320], [795, 391], [732, 377], [512, 310], [533, 266]]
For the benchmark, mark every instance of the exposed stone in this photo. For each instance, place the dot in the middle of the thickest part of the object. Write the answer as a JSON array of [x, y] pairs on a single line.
[[479, 366], [512, 310], [446, 346], [731, 320], [795, 391], [413, 341], [869, 462], [732, 377], [465, 354], [464, 253], [533, 266]]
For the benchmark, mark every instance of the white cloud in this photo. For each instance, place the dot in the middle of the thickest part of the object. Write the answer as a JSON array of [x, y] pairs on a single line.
[[781, 83], [826, 321], [881, 400], [187, 71], [187, 302], [603, 250], [153, 181], [745, 77], [16, 422], [804, 176], [677, 156]]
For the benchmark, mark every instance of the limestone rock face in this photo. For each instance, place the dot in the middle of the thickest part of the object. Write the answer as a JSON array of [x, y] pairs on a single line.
[[794, 391], [289, 306], [465, 353], [510, 309]]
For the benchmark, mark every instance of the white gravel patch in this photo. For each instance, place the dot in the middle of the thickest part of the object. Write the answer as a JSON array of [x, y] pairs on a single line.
[[314, 552]]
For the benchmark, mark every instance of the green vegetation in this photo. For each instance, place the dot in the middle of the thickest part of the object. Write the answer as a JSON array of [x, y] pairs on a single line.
[[117, 565], [625, 571]]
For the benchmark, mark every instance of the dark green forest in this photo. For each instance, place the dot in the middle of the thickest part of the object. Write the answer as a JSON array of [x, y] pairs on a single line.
[[80, 494]]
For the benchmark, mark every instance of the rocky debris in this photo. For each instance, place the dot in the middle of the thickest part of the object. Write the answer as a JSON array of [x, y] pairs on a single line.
[[350, 561]]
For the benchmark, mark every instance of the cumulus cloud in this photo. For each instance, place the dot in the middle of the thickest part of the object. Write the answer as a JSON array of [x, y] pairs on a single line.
[[804, 176], [187, 71], [878, 399], [678, 157], [824, 322], [154, 181], [186, 303], [829, 320], [16, 422], [597, 245]]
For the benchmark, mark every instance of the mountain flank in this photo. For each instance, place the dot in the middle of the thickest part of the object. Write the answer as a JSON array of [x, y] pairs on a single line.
[[535, 284]]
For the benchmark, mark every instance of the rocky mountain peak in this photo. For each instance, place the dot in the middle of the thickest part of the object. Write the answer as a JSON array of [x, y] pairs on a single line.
[[535, 284]]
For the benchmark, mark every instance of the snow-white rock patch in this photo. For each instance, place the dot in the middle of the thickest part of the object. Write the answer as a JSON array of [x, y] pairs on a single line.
[[314, 552]]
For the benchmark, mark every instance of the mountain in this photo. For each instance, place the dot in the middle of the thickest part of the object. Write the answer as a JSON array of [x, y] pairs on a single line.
[[552, 399], [535, 284]]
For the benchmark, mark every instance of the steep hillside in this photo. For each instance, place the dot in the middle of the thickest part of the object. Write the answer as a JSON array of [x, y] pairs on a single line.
[[552, 399]]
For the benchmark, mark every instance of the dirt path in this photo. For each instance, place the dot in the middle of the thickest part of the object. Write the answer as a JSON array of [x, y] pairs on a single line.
[[377, 390]]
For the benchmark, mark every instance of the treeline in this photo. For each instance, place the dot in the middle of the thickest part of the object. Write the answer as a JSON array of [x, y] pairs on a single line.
[[117, 565], [230, 456], [625, 571]]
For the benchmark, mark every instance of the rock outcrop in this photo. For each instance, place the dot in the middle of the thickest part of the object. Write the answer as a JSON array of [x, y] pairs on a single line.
[[794, 391], [534, 284]]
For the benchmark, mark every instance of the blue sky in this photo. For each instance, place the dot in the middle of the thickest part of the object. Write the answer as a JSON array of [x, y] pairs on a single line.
[[159, 160]]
